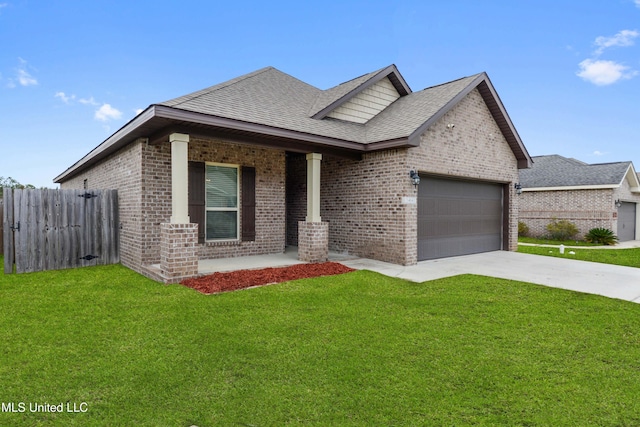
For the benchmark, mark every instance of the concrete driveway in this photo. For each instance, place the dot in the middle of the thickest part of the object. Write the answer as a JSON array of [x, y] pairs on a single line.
[[601, 279]]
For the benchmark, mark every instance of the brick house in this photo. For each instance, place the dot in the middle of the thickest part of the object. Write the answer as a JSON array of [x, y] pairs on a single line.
[[265, 160], [589, 195]]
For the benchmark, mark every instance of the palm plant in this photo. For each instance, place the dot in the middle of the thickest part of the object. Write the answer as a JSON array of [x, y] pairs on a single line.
[[601, 235]]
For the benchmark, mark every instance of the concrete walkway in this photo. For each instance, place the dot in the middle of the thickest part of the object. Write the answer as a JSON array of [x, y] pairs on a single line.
[[601, 279]]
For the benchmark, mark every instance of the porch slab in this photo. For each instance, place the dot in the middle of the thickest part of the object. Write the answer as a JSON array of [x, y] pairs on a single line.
[[288, 258]]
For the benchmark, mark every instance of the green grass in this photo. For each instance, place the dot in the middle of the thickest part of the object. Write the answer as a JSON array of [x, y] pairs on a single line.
[[537, 241], [359, 349], [626, 257]]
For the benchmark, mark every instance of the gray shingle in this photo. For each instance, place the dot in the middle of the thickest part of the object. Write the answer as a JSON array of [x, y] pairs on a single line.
[[558, 171], [271, 97]]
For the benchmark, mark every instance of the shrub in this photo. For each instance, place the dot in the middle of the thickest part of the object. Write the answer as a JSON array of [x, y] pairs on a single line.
[[523, 229], [561, 229], [601, 235]]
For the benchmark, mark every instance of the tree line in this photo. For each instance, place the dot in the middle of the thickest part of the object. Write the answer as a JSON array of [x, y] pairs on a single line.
[[9, 182]]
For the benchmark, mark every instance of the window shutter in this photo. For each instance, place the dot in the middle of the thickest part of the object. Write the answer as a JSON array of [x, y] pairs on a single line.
[[197, 196], [248, 204]]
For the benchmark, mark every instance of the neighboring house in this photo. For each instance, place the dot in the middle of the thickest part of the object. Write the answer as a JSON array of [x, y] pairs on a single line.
[[589, 195], [265, 160]]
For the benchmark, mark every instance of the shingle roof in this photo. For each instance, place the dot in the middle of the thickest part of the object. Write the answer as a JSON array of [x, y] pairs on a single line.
[[271, 97], [557, 171], [272, 108]]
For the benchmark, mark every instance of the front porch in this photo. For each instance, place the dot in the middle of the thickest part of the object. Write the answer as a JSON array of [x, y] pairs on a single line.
[[248, 200], [210, 266]]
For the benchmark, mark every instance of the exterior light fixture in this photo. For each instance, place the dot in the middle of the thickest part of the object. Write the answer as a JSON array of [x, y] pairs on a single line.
[[618, 203], [518, 188], [415, 178]]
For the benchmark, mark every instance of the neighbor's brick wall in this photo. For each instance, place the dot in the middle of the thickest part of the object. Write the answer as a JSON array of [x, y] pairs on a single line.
[[474, 148], [122, 171], [587, 209]]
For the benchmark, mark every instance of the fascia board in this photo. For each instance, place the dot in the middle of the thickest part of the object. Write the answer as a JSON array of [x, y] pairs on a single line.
[[572, 187]]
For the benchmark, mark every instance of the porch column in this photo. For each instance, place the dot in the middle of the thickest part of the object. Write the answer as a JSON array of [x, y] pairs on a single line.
[[313, 234], [313, 187], [179, 178], [179, 238]]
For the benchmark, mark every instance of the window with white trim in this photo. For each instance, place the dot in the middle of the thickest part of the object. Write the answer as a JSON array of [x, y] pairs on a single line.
[[221, 194]]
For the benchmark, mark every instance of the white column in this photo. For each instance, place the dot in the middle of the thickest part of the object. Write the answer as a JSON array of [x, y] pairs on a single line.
[[179, 178], [313, 187]]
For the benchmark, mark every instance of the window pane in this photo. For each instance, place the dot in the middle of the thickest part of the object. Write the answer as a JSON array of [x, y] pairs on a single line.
[[222, 187], [222, 225]]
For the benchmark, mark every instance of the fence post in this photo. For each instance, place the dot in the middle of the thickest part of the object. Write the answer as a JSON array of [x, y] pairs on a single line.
[[7, 222]]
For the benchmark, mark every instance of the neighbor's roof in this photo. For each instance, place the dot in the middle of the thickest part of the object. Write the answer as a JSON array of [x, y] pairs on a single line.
[[555, 172], [272, 108]]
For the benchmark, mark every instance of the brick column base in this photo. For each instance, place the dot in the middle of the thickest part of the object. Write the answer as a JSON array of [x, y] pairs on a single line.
[[313, 241], [178, 251]]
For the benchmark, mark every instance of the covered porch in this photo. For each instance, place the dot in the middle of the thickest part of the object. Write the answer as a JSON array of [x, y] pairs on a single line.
[[181, 241]]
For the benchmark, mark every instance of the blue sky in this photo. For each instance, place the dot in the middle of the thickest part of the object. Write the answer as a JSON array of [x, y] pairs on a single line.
[[73, 72]]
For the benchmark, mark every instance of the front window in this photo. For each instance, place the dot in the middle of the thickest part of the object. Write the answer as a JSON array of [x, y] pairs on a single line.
[[221, 202]]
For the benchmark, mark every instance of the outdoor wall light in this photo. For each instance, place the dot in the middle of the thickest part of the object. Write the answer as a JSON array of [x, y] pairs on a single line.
[[618, 203], [518, 188], [415, 178]]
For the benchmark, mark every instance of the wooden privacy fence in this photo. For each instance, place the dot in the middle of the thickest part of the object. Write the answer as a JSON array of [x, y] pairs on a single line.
[[55, 229], [1, 228]]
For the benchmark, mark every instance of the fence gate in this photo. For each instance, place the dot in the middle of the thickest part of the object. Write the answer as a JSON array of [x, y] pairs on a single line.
[[55, 229]]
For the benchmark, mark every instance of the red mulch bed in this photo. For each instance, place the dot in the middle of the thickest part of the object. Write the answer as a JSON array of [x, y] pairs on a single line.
[[242, 279]]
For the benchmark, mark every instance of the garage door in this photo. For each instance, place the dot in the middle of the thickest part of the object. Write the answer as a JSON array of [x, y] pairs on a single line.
[[458, 217], [627, 221]]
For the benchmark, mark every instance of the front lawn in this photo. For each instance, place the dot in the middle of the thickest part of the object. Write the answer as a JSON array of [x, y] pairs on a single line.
[[358, 349], [626, 257]]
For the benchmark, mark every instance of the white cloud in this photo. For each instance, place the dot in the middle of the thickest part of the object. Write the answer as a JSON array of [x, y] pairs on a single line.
[[140, 110], [22, 76], [64, 97], [603, 73], [107, 112], [623, 38], [88, 101], [600, 153], [637, 3]]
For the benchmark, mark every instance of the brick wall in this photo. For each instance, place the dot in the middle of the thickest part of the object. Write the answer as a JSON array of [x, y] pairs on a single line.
[[270, 195], [585, 208], [362, 202]]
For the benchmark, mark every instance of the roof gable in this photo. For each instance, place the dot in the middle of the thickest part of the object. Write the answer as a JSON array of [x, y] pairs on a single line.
[[336, 97]]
